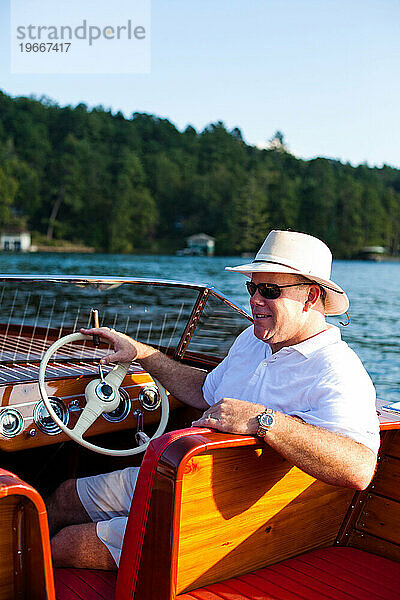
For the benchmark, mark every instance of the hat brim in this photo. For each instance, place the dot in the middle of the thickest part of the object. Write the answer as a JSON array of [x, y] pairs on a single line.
[[336, 303]]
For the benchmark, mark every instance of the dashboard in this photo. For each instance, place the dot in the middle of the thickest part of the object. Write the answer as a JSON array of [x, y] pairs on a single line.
[[25, 422]]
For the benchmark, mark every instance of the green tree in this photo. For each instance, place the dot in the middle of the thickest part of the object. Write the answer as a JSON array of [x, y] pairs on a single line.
[[349, 217], [134, 214], [317, 215], [249, 219], [8, 190]]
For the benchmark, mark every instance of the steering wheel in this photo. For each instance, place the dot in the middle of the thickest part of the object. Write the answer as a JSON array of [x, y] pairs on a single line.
[[101, 395]]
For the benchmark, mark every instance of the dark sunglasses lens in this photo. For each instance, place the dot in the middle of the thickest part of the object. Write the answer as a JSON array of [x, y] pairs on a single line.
[[269, 291], [251, 287]]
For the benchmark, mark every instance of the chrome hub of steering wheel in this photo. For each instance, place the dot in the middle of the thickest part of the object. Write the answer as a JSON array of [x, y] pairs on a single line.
[[105, 392]]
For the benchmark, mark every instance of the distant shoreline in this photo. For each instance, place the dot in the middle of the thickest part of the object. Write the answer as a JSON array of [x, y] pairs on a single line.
[[67, 249], [76, 249]]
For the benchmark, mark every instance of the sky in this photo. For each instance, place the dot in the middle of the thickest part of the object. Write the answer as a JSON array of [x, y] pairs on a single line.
[[324, 72]]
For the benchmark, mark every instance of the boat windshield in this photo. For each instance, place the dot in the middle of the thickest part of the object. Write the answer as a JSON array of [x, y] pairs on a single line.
[[173, 316]]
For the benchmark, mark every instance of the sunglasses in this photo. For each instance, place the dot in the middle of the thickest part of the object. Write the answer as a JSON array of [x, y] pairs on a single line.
[[271, 291]]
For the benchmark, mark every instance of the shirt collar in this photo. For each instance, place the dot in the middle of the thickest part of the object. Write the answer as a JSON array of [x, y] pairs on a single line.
[[325, 338]]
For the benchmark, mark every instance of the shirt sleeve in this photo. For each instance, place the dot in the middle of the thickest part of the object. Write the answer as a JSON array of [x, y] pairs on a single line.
[[344, 402]]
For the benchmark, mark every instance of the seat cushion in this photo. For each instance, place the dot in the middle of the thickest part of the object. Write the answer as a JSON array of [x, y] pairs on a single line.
[[84, 584], [337, 573]]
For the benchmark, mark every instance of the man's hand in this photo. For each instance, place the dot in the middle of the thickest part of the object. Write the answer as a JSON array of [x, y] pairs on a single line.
[[126, 349], [232, 416], [182, 381]]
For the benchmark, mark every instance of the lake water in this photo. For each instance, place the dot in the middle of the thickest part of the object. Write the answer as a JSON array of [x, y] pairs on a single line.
[[373, 289]]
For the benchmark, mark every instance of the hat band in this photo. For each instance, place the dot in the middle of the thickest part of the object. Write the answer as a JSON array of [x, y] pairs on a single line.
[[272, 262]]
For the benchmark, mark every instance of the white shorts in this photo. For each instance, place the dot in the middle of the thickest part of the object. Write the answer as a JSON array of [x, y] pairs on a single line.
[[107, 500]]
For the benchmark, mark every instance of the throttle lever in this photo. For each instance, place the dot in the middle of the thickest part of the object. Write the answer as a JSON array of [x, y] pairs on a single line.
[[140, 436], [94, 321], [101, 372]]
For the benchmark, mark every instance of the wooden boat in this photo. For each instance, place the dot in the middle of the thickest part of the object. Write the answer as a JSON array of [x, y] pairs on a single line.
[[216, 516]]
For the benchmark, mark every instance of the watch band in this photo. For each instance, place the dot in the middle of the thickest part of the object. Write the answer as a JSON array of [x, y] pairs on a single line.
[[266, 420]]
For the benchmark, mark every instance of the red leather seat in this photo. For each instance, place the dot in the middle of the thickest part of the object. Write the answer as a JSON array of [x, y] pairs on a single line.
[[84, 584], [332, 573], [337, 573]]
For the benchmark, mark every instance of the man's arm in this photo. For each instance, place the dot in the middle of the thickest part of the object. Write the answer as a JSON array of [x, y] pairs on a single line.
[[182, 381], [328, 456]]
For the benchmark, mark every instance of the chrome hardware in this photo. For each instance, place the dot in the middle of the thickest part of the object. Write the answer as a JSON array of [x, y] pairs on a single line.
[[44, 421], [105, 392], [101, 372], [32, 432], [149, 398], [11, 422], [122, 410], [140, 436], [139, 415], [74, 406]]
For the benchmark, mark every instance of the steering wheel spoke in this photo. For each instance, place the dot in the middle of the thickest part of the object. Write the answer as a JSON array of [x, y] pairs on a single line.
[[116, 376], [88, 416]]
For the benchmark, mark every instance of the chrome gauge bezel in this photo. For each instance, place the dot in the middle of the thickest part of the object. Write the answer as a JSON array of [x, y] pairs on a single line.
[[125, 412], [11, 411], [142, 398], [38, 414]]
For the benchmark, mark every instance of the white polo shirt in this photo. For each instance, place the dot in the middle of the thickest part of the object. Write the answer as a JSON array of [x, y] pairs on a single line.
[[320, 380]]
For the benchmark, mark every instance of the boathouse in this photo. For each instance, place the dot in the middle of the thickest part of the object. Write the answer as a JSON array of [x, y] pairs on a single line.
[[15, 241], [201, 244]]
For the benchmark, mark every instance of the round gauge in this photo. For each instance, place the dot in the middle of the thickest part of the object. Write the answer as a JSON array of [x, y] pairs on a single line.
[[11, 422], [122, 410], [149, 397], [44, 421]]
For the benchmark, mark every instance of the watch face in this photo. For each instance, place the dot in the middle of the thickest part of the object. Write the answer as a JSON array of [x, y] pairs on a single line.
[[266, 420]]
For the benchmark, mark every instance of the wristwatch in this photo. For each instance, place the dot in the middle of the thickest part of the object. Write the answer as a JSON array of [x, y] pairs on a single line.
[[265, 420]]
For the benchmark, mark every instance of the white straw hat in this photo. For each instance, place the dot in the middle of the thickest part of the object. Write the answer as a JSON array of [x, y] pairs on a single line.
[[300, 254]]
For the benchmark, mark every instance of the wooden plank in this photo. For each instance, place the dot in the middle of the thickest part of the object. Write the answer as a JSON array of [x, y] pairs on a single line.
[[393, 447], [370, 543], [381, 517], [25, 544], [7, 513], [245, 508], [160, 517], [34, 558], [387, 481], [21, 550]]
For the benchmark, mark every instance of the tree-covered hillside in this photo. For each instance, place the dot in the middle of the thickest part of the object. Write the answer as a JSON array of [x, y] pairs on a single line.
[[139, 184]]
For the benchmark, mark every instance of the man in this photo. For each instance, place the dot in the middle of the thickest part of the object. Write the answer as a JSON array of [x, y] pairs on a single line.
[[289, 379]]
